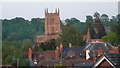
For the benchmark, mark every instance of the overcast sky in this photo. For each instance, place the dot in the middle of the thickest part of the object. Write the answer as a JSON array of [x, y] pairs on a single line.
[[78, 10]]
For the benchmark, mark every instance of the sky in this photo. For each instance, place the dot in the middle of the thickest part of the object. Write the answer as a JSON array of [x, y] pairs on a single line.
[[69, 10], [119, 7]]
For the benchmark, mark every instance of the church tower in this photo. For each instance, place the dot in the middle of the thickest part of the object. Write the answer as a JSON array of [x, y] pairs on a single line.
[[52, 27], [52, 22]]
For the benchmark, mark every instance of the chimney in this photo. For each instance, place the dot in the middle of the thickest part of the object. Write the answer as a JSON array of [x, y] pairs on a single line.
[[30, 54], [119, 49], [61, 48], [70, 45], [100, 52], [57, 52], [88, 35]]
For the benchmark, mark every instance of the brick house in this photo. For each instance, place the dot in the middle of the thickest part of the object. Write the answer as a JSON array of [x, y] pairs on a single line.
[[108, 60]]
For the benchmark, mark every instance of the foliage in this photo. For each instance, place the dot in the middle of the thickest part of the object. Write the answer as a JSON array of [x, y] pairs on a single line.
[[116, 27], [70, 34], [18, 29], [58, 65], [89, 18], [48, 45], [104, 18], [76, 22], [112, 38], [89, 23], [18, 35], [13, 50]]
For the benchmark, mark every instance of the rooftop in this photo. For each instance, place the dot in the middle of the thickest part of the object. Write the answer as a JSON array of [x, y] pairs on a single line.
[[98, 45], [114, 59]]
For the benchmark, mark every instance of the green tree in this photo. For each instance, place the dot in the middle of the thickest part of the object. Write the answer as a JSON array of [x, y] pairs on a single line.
[[89, 23], [48, 45], [70, 34], [72, 21], [104, 18], [112, 38], [98, 26], [18, 28], [89, 18], [118, 18]]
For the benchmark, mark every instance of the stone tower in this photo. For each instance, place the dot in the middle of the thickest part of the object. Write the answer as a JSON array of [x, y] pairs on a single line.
[[52, 22], [52, 27]]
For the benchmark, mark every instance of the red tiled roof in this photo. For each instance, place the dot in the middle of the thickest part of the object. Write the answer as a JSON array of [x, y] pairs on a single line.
[[113, 51], [46, 54], [94, 40]]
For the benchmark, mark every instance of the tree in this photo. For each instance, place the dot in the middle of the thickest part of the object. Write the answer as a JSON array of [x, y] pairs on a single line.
[[112, 38], [18, 28], [89, 18], [118, 18], [104, 18], [70, 34], [89, 23], [72, 21], [47, 45], [114, 19], [98, 26], [116, 27], [12, 37]]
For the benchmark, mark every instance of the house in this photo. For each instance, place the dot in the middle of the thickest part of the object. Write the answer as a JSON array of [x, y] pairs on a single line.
[[108, 60], [73, 56], [98, 48], [76, 52]]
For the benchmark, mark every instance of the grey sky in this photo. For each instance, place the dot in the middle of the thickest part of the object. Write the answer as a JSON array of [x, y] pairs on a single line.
[[119, 7], [78, 10]]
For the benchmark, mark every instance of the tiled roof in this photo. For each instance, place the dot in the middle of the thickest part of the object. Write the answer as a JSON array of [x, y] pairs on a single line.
[[111, 58], [64, 62], [98, 45], [113, 51], [114, 59], [78, 51], [94, 40], [84, 65], [44, 55]]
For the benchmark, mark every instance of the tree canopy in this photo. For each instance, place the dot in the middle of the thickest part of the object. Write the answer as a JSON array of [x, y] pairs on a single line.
[[18, 34], [111, 38], [70, 34]]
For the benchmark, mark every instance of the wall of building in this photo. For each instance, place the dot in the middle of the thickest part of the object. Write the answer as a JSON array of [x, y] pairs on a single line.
[[105, 64]]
